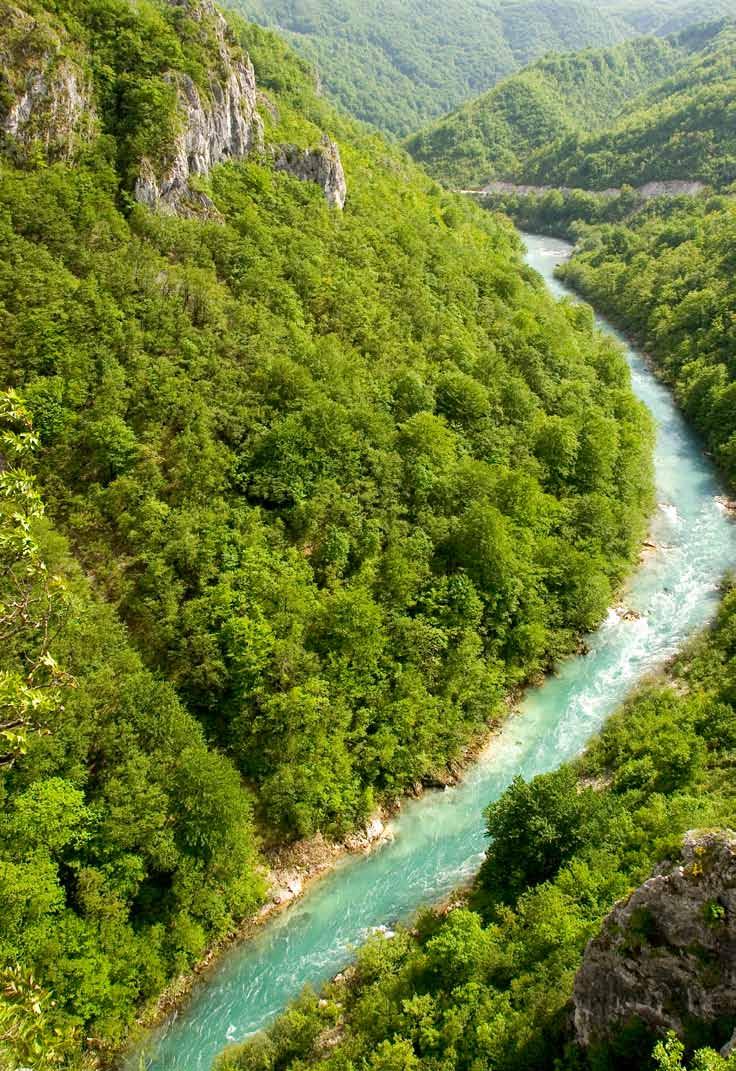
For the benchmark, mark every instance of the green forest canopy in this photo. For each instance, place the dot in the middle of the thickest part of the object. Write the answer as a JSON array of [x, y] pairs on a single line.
[[649, 109], [668, 275], [568, 94], [684, 128], [399, 63], [314, 490]]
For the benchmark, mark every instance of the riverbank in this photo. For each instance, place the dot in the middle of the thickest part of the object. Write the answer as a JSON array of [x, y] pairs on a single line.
[[294, 869], [441, 839]]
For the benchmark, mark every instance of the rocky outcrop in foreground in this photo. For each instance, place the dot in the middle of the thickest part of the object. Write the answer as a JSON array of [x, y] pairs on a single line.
[[667, 956]]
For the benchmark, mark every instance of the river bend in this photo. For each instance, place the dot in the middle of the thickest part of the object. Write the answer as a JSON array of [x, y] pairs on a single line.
[[439, 838]]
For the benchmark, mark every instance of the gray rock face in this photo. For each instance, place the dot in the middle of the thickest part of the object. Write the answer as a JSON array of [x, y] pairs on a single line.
[[665, 188], [225, 126], [667, 955], [321, 165], [50, 96]]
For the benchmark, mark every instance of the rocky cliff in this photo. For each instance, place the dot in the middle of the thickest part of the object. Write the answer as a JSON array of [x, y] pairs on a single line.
[[226, 126], [45, 95], [47, 100], [321, 165], [223, 124], [666, 957]]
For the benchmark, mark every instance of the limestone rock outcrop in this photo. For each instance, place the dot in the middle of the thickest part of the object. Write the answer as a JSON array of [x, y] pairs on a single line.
[[666, 956], [47, 101], [224, 125], [46, 94], [321, 165]]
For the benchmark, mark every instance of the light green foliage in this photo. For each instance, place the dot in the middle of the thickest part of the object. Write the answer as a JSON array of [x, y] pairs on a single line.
[[669, 1056], [31, 1030], [489, 984], [683, 128], [31, 600], [570, 94], [322, 486]]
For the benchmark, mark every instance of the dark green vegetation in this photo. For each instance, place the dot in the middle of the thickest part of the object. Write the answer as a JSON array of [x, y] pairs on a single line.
[[667, 274], [492, 136], [399, 64], [489, 984], [319, 487], [646, 110]]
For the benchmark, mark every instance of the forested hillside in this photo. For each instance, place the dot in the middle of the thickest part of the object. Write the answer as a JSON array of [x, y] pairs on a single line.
[[490, 983], [667, 274], [650, 109], [400, 63], [495, 981], [319, 486], [668, 16], [569, 94], [684, 128]]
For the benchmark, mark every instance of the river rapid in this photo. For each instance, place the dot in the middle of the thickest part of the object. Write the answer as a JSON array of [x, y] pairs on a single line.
[[438, 839]]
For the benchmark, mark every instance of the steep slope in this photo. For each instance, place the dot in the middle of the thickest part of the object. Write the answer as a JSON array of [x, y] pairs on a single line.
[[493, 136], [684, 128], [502, 981], [333, 470], [668, 16], [397, 64]]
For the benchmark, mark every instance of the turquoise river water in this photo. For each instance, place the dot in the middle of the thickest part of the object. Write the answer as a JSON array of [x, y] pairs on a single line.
[[438, 840]]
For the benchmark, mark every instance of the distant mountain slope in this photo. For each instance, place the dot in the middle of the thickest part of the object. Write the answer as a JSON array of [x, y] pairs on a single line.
[[567, 94], [398, 63], [683, 128], [668, 16]]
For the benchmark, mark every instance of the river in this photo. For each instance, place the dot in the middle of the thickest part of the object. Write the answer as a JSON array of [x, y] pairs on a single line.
[[439, 839]]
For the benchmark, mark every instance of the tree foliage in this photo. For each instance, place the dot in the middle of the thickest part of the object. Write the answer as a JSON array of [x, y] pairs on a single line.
[[312, 484], [644, 111], [398, 64], [683, 128], [488, 984], [666, 274], [568, 94]]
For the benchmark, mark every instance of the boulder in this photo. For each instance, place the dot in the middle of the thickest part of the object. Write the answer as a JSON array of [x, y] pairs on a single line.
[[666, 957]]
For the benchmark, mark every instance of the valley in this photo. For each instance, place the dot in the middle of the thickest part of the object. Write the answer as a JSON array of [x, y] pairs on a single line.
[[316, 473], [439, 840]]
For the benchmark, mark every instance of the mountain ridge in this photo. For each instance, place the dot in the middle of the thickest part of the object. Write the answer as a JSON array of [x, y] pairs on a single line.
[[565, 120]]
